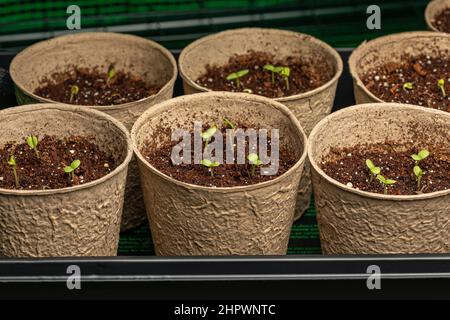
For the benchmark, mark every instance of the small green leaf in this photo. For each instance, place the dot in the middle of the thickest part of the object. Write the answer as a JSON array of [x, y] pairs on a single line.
[[74, 90], [408, 86], [32, 141], [375, 170], [206, 162], [238, 74], [253, 158], [75, 164], [111, 72], [12, 161], [390, 181], [68, 169], [381, 178], [285, 72], [269, 67], [441, 83], [369, 164], [418, 171], [416, 157], [423, 154], [229, 123], [207, 135], [242, 73], [215, 164]]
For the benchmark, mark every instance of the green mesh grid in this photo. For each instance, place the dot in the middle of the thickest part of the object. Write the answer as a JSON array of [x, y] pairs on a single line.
[[177, 23]]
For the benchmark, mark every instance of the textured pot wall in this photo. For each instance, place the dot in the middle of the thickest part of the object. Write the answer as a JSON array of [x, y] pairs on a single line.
[[77, 221], [391, 49], [309, 108], [194, 220], [137, 55], [357, 222], [433, 8]]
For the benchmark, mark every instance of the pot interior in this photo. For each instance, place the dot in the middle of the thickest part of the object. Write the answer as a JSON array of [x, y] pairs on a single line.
[[138, 56], [45, 119], [376, 124], [157, 124], [218, 49]]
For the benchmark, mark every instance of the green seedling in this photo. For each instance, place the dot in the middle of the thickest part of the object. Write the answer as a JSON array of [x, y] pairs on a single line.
[[408, 86], [111, 73], [33, 142], [211, 165], [420, 156], [13, 164], [418, 172], [255, 162], [385, 182], [236, 75], [270, 68], [229, 124], [441, 85], [71, 169], [73, 92], [285, 72], [208, 134], [373, 169]]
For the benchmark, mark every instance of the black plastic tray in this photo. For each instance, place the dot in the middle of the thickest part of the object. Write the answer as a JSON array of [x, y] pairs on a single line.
[[190, 277]]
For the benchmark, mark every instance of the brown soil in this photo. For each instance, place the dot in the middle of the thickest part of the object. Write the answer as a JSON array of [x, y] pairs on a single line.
[[442, 21], [47, 172], [386, 82], [225, 175], [348, 166], [94, 87], [306, 75]]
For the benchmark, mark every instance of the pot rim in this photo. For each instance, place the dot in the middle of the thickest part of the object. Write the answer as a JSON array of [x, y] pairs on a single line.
[[430, 8], [322, 44], [70, 108], [167, 106], [366, 45], [322, 124], [98, 35]]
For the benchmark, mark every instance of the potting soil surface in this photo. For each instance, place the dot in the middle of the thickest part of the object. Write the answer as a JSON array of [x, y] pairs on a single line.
[[304, 237], [421, 80], [92, 87], [305, 74]]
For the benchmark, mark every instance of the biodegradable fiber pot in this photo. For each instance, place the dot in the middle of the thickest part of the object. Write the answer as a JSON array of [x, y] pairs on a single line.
[[309, 107], [186, 219], [391, 49], [140, 56], [358, 222], [83, 220], [434, 8]]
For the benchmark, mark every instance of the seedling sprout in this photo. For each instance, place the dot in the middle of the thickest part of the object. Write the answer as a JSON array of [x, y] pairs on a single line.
[[236, 75], [285, 72], [208, 134], [420, 156], [209, 164], [385, 182], [73, 92], [441, 85], [418, 172], [255, 162], [373, 169], [32, 142], [111, 73], [408, 86], [270, 68], [71, 169], [229, 124], [13, 164]]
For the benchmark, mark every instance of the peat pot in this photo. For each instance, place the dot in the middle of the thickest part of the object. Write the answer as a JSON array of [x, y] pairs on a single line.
[[309, 108], [187, 219], [82, 220], [137, 55], [391, 49], [358, 222], [434, 8]]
